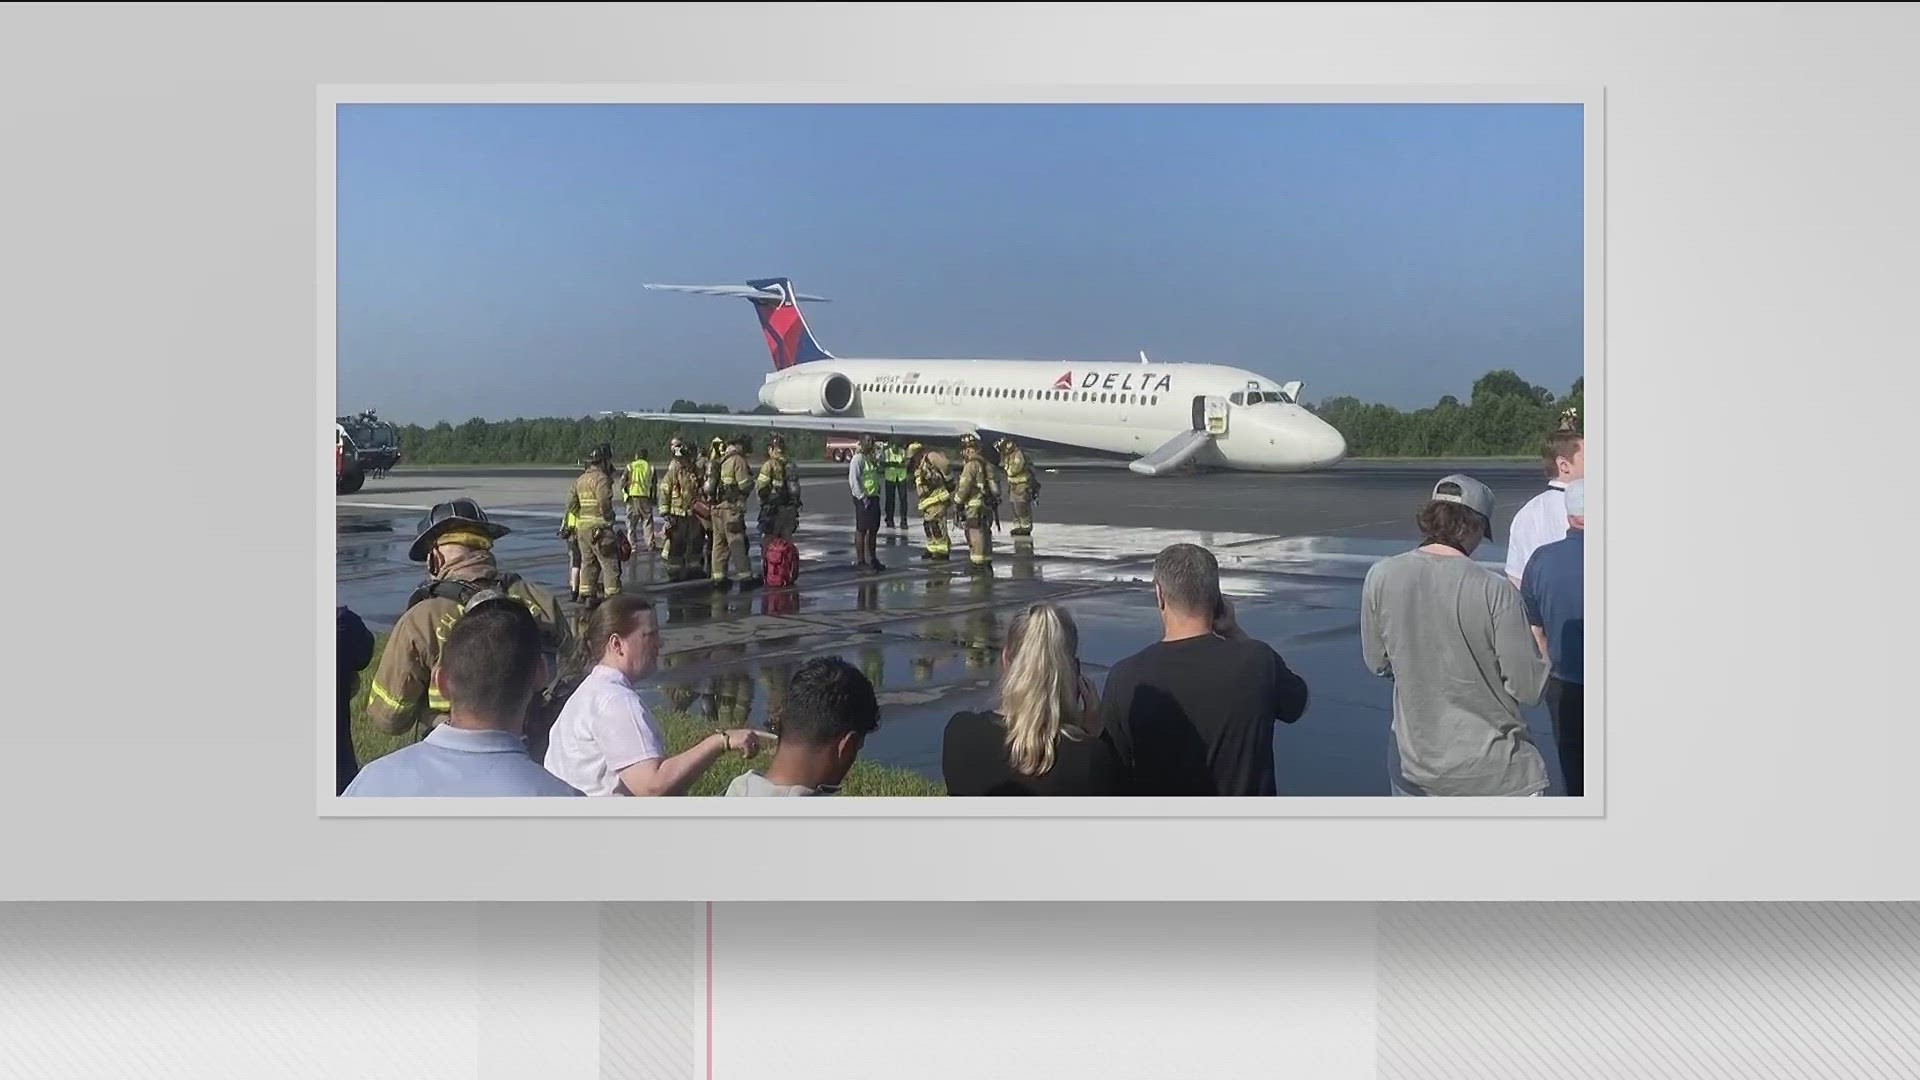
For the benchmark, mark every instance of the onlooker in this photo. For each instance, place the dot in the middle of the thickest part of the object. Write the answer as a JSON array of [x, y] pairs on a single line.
[[1544, 519], [863, 480], [353, 651], [1453, 636], [827, 712], [489, 670], [605, 742], [1193, 713], [1555, 591], [1046, 737]]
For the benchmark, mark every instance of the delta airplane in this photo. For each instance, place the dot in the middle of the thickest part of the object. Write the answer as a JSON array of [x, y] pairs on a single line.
[[1164, 415]]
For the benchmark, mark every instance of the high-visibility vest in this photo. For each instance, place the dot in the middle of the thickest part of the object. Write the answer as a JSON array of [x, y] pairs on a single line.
[[869, 478], [640, 479], [896, 465]]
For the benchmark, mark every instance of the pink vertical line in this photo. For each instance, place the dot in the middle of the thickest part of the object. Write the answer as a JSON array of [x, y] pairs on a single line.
[[709, 990]]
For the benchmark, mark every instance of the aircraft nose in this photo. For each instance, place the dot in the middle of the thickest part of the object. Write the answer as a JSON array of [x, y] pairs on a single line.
[[1327, 445]]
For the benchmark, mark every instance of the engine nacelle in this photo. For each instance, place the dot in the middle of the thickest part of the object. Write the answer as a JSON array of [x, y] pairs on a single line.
[[828, 393]]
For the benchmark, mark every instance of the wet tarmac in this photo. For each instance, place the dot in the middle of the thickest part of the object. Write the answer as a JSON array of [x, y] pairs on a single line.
[[1293, 552]]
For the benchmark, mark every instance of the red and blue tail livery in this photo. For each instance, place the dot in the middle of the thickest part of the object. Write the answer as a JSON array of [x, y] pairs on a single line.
[[788, 337], [778, 304]]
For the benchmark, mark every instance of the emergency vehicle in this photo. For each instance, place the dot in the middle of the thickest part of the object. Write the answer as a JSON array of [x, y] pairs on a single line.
[[349, 474]]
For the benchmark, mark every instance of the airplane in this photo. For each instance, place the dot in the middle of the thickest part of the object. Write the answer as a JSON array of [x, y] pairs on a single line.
[[1164, 415]]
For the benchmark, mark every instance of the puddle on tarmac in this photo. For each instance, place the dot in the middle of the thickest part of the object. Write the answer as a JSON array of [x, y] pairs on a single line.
[[929, 637]]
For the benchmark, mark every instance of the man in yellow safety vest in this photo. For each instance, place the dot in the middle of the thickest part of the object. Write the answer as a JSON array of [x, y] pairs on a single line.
[[638, 482]]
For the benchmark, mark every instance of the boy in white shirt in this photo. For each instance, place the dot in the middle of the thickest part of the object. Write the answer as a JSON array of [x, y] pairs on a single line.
[[1544, 519]]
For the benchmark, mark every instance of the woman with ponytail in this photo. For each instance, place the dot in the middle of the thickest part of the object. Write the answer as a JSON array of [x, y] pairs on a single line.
[[1045, 738]]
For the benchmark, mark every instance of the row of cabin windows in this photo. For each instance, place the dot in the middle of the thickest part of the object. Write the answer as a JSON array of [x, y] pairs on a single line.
[[1022, 395]]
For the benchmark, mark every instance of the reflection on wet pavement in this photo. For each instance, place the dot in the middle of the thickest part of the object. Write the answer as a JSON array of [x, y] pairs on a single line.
[[929, 635]]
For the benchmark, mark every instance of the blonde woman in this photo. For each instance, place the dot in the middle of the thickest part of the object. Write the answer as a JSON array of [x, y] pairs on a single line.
[[1045, 738]]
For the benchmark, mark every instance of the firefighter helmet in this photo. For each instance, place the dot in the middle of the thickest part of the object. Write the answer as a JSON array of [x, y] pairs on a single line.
[[458, 515]]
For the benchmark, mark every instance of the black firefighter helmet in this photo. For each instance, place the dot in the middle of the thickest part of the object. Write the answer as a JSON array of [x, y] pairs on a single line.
[[601, 455], [446, 517]]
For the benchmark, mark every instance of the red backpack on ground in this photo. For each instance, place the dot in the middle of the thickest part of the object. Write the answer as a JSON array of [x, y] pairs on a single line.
[[782, 562]]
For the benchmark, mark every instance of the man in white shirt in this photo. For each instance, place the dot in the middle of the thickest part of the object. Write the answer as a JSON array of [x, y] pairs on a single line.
[[863, 480], [1544, 519]]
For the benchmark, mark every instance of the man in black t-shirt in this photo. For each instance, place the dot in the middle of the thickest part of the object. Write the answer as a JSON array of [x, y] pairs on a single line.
[[1193, 713]]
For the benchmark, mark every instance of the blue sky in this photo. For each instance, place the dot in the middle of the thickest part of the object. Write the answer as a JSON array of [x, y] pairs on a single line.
[[491, 257]]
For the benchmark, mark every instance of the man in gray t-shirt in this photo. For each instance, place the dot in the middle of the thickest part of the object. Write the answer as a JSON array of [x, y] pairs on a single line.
[[1454, 638]]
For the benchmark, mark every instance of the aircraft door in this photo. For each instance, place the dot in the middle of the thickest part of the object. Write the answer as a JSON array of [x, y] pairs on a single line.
[[1216, 416], [1200, 413]]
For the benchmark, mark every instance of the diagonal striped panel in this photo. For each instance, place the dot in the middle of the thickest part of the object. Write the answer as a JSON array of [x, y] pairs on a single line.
[[652, 974], [1648, 991]]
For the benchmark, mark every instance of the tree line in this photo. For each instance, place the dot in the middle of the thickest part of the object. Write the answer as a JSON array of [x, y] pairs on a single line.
[[1506, 415], [566, 441]]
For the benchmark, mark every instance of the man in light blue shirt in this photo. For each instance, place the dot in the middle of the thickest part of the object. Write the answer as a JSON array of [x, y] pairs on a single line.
[[490, 669]]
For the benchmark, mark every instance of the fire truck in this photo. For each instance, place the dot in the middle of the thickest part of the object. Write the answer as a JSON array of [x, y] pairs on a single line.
[[348, 474], [377, 442], [841, 449]]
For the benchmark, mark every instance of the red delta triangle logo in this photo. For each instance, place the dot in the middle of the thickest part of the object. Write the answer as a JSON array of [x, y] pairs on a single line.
[[1064, 382]]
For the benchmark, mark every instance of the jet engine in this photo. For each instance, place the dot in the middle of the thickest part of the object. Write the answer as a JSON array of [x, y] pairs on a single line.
[[824, 394]]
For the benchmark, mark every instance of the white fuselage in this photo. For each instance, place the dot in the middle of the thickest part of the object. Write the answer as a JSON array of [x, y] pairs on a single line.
[[1116, 408]]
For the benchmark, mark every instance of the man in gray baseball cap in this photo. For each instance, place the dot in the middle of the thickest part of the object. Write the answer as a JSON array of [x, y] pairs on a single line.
[[1465, 491], [1453, 636]]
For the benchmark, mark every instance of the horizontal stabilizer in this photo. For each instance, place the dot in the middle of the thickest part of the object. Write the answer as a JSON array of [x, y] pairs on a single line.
[[743, 292], [852, 425], [1177, 452]]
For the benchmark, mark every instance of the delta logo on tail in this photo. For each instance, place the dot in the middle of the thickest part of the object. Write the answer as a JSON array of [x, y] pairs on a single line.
[[788, 338]]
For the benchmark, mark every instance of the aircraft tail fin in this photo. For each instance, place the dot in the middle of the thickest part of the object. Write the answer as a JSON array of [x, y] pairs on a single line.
[[777, 302]]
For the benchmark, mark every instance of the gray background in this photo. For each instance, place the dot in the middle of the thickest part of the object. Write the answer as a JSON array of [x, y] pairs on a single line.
[[1118, 991], [160, 231], [158, 213]]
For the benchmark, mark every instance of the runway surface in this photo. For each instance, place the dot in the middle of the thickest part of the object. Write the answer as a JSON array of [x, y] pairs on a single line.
[[1293, 552]]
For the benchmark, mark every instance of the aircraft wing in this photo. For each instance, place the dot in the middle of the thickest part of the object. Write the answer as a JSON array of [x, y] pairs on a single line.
[[854, 425]]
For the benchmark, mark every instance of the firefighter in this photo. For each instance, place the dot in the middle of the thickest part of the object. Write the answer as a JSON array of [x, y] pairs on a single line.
[[709, 486], [1023, 485], [733, 479], [591, 505], [929, 469], [637, 479], [976, 502], [679, 489], [569, 531], [896, 462], [779, 491], [455, 540]]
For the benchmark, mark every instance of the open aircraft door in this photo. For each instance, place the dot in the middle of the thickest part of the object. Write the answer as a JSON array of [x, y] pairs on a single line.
[[1210, 415], [1216, 416]]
